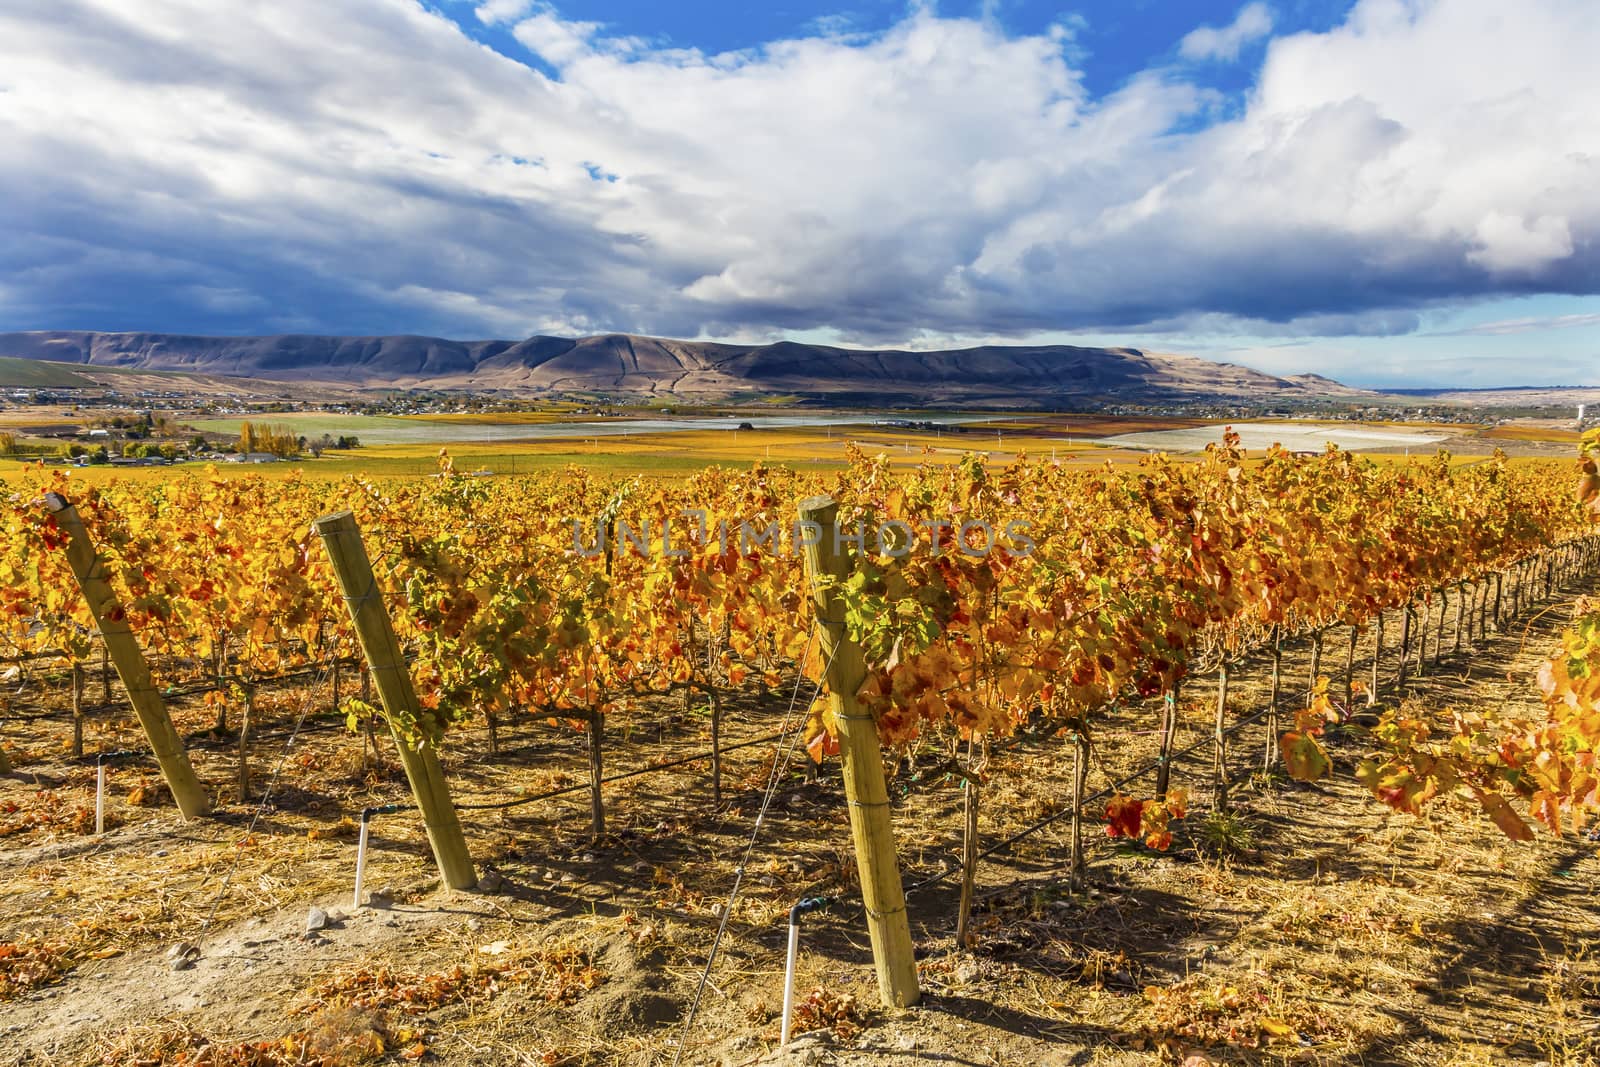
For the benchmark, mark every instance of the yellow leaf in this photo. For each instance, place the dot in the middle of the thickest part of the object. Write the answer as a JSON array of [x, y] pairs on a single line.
[[1278, 1028]]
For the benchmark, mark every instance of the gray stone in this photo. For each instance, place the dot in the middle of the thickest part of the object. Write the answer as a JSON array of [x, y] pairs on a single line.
[[181, 957], [316, 919]]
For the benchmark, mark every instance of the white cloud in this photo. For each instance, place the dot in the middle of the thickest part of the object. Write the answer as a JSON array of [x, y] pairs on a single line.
[[362, 165], [1508, 244], [555, 40], [1530, 324], [491, 12], [1253, 22]]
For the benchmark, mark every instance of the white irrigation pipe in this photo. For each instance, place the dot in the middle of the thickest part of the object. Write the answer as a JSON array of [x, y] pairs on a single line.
[[361, 864], [788, 984], [100, 786], [361, 845], [800, 908]]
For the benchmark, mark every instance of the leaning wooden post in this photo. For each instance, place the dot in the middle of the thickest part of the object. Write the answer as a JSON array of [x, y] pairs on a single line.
[[862, 761], [123, 650], [342, 538]]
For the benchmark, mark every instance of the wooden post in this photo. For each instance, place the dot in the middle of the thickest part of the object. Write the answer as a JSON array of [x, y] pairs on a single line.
[[1438, 630], [862, 760], [1378, 656], [716, 745], [105, 673], [1080, 781], [597, 773], [1405, 651], [1271, 756], [969, 852], [244, 744], [1422, 637], [77, 709], [1461, 607], [341, 537], [1316, 663], [220, 668], [1483, 609], [122, 648], [1350, 668], [1169, 730], [1219, 736]]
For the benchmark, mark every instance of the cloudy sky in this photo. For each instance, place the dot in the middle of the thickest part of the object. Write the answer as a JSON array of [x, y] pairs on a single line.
[[1385, 191]]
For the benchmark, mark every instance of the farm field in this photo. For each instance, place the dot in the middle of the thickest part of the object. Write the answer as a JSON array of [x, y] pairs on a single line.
[[407, 447], [1309, 927], [1294, 436], [611, 722], [393, 429]]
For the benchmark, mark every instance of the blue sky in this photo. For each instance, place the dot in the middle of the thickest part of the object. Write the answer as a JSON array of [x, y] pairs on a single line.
[[1390, 192]]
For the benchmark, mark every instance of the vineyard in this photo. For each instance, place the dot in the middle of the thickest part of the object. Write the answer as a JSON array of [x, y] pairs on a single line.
[[1120, 712]]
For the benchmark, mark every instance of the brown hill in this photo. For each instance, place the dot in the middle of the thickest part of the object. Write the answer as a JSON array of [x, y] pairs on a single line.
[[629, 366]]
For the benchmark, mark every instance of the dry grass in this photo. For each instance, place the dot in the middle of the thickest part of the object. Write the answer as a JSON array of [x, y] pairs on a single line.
[[1307, 925]]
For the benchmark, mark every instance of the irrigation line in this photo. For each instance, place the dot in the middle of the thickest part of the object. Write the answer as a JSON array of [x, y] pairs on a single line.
[[497, 805], [266, 797], [1109, 790]]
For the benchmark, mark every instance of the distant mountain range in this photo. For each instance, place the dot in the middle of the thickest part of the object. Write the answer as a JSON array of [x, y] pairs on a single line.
[[626, 366]]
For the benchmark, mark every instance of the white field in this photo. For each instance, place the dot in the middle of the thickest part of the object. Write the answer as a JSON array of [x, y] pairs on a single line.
[[1295, 436]]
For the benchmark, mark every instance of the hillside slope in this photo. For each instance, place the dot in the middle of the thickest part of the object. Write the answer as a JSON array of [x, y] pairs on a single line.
[[626, 365]]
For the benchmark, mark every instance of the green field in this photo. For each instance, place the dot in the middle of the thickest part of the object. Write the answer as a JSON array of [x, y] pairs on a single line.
[[36, 374]]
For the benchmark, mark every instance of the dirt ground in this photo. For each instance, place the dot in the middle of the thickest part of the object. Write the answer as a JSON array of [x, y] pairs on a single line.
[[1306, 925]]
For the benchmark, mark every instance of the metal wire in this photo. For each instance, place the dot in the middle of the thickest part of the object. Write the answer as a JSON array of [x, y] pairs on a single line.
[[780, 767]]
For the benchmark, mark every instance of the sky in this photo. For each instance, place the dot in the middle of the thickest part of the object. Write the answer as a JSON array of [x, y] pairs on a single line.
[[1387, 192]]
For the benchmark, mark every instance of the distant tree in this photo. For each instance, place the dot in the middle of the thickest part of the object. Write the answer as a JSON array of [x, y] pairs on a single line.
[[8, 444], [100, 455], [74, 450], [277, 440]]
